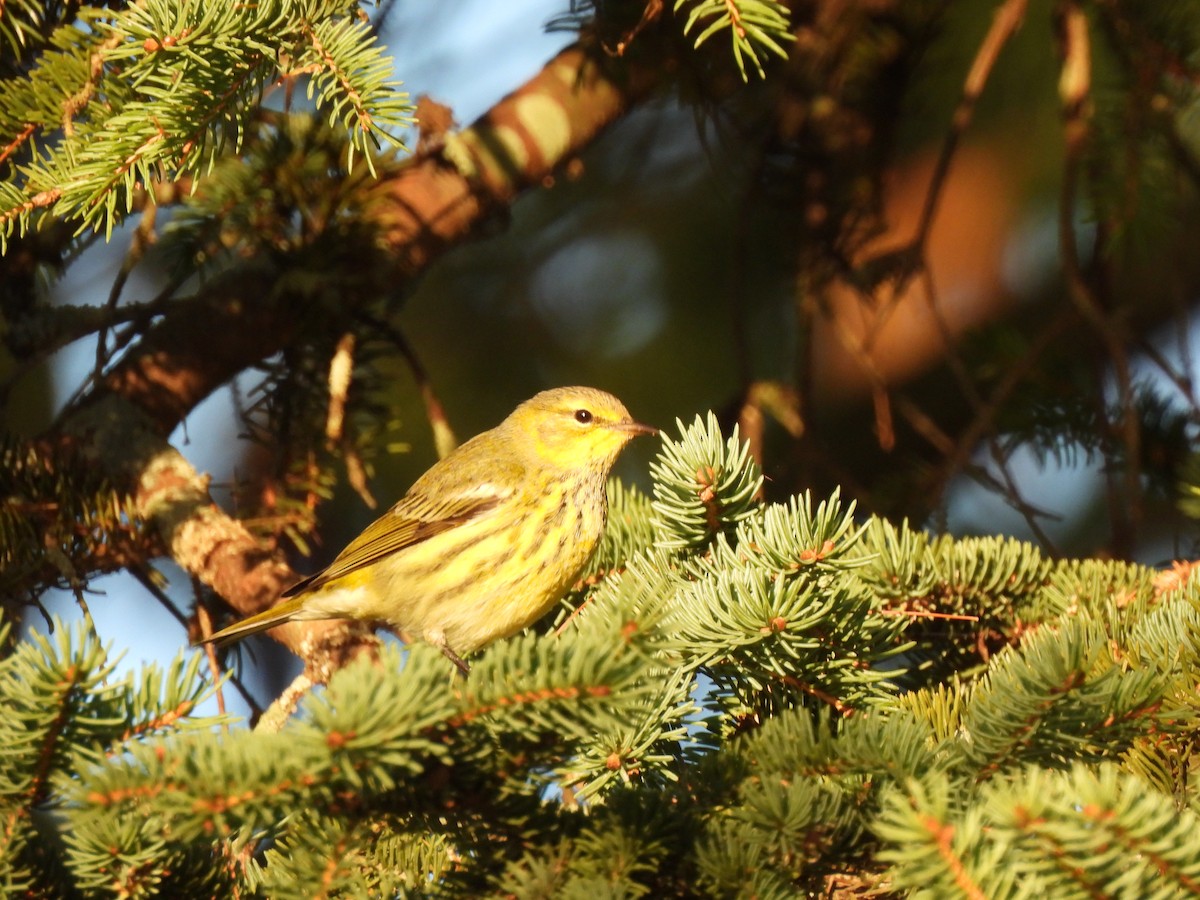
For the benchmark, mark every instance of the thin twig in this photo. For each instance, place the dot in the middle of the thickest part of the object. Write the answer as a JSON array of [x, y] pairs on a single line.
[[824, 696], [143, 237], [1005, 22], [927, 614], [1006, 485], [443, 435], [143, 577], [881, 402], [909, 260], [1015, 373], [16, 142], [958, 368], [1183, 383], [204, 618], [566, 623], [1012, 492], [135, 318], [1075, 92]]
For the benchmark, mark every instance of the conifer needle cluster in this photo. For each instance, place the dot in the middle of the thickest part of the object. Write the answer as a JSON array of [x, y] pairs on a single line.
[[742, 699]]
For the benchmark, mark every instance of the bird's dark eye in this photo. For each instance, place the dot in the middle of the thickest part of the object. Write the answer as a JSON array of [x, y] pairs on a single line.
[[583, 416]]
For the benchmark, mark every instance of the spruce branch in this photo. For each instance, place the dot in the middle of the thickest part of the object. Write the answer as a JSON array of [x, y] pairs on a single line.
[[375, 728], [164, 87], [22, 26], [649, 748], [352, 79], [1079, 833], [702, 486], [61, 520], [803, 789], [614, 851], [754, 27], [756, 633], [407, 773], [67, 710], [725, 712], [1062, 697], [566, 682], [930, 851], [319, 858]]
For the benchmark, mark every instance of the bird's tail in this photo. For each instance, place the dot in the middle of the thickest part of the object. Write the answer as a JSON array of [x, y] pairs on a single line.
[[268, 618]]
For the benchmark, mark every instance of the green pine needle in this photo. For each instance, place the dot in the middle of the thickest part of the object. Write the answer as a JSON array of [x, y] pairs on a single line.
[[703, 485]]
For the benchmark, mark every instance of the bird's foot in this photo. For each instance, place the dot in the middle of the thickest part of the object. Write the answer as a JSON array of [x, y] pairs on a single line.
[[458, 661]]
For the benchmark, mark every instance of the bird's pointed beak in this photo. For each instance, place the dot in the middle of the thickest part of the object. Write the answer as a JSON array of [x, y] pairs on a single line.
[[634, 428]]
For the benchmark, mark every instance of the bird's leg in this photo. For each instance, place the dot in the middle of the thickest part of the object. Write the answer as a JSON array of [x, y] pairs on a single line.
[[462, 664], [438, 638]]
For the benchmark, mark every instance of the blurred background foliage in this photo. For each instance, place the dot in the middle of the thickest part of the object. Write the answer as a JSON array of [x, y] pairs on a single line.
[[940, 254], [726, 235]]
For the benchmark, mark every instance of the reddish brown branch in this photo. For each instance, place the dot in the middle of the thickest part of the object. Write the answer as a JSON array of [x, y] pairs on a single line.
[[16, 143], [444, 439], [39, 785], [908, 260], [1005, 22], [439, 200], [1075, 93], [943, 838]]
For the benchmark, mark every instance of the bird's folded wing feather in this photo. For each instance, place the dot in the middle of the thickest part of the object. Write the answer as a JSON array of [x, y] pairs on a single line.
[[413, 519]]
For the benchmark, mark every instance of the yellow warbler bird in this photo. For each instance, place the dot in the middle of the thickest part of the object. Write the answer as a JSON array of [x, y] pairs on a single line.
[[487, 540]]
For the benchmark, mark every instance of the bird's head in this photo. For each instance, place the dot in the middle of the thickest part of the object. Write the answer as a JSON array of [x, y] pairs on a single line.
[[575, 428]]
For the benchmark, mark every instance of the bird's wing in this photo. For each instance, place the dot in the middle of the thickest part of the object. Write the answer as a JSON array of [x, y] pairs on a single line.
[[415, 518]]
